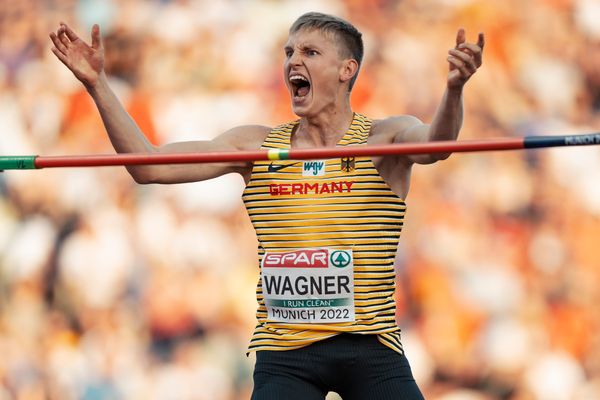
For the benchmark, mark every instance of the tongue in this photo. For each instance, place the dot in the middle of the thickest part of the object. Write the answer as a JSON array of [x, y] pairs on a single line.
[[303, 91]]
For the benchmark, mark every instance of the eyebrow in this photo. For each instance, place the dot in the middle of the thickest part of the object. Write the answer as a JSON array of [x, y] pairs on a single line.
[[303, 46]]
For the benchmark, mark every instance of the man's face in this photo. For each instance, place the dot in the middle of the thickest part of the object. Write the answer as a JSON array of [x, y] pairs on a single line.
[[312, 71]]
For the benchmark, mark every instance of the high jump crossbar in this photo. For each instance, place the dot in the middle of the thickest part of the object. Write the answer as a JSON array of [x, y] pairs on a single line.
[[128, 159]]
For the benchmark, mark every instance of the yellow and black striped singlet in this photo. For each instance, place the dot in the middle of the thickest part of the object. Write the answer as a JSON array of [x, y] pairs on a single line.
[[350, 206]]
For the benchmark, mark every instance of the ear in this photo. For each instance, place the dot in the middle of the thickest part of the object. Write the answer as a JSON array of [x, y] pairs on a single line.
[[348, 69]]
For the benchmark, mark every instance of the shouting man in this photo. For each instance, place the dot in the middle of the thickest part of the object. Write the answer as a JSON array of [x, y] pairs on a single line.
[[327, 229]]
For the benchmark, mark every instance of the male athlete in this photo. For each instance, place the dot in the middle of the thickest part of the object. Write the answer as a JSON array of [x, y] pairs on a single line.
[[327, 229]]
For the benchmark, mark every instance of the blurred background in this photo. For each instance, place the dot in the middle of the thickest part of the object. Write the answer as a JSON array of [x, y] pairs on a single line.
[[111, 290]]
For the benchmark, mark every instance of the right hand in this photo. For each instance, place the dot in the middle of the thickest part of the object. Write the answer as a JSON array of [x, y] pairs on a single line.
[[85, 61], [464, 59]]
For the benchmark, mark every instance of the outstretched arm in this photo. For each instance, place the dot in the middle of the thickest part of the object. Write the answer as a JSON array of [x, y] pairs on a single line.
[[86, 62], [464, 60]]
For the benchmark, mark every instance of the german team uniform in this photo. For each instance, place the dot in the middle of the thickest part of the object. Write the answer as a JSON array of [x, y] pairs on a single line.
[[327, 233]]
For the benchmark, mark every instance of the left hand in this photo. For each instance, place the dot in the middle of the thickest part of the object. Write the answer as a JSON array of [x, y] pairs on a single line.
[[464, 59], [84, 60]]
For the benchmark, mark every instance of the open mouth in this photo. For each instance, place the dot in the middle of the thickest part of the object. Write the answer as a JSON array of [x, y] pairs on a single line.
[[300, 85]]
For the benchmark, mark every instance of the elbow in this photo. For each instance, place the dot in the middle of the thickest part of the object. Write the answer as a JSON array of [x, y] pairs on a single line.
[[442, 156], [140, 176], [140, 180]]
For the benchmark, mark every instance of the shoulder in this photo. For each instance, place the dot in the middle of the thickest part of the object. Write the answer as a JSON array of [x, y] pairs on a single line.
[[249, 130], [394, 124], [391, 128], [246, 137]]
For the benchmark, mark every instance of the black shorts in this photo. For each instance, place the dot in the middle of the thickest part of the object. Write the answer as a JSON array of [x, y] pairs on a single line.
[[357, 367]]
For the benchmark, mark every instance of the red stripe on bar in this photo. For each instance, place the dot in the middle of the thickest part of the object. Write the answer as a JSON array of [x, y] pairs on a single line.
[[294, 154]]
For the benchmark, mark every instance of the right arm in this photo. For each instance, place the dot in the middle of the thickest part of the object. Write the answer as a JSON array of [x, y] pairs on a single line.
[[87, 64]]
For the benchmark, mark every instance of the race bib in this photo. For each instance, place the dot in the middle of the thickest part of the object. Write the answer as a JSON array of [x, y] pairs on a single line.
[[309, 285]]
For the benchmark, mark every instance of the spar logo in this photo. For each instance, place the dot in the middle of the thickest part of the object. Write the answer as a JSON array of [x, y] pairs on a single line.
[[309, 258], [340, 258]]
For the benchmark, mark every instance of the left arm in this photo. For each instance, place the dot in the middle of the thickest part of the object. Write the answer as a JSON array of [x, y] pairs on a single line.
[[464, 60]]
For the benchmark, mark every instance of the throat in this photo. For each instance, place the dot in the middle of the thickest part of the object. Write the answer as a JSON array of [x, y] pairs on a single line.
[[319, 132]]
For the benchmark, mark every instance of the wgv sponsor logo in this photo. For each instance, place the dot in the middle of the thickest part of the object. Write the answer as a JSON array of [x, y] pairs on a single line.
[[313, 168]]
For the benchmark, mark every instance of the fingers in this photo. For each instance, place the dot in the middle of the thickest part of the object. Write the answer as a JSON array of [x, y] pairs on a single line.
[[60, 55], [68, 32], [64, 38], [57, 43], [456, 65], [472, 50], [475, 50], [60, 39], [481, 40], [460, 37], [459, 70], [96, 42], [462, 60]]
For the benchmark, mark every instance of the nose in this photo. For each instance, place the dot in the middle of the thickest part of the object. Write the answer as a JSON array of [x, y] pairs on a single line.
[[294, 58]]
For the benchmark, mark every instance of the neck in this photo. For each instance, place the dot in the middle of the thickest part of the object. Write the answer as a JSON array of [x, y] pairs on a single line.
[[326, 128]]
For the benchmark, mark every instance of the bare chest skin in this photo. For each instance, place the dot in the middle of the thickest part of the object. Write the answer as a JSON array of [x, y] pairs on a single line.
[[395, 171]]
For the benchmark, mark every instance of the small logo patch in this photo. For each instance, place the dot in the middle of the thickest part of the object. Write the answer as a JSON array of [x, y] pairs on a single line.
[[308, 258], [347, 164], [340, 258], [313, 168], [276, 168]]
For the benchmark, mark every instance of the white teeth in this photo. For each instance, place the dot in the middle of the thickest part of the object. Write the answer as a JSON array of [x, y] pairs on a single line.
[[296, 77]]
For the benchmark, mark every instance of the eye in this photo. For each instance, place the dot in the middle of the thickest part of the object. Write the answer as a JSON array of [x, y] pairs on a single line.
[[311, 52], [288, 53]]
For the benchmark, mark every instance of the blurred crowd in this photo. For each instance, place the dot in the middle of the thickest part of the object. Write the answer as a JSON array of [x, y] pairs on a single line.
[[112, 290]]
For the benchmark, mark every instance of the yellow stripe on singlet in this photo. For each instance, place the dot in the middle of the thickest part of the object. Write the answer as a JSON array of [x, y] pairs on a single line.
[[350, 206]]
